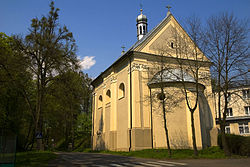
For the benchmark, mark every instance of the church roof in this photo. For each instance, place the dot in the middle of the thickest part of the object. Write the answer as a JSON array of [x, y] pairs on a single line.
[[138, 43]]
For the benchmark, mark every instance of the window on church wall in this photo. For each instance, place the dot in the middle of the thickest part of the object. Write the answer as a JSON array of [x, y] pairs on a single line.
[[140, 30], [121, 91], [144, 29], [108, 97], [100, 101]]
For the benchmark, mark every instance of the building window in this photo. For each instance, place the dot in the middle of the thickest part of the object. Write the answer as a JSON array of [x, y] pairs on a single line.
[[108, 96], [229, 112], [121, 92], [227, 129], [247, 110], [228, 96], [243, 128], [100, 101], [140, 30], [246, 93], [172, 45]]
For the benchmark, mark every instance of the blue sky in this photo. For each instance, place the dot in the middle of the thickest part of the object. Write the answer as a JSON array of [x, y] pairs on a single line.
[[101, 27]]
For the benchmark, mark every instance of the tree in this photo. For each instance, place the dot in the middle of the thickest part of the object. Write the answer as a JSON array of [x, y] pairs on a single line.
[[64, 104], [158, 78], [228, 48], [15, 85], [51, 50], [87, 91], [65, 115]]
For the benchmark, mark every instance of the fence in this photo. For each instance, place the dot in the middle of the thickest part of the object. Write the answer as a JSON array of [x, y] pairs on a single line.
[[7, 151]]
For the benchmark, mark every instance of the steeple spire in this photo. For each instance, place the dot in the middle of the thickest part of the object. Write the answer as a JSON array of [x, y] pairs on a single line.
[[142, 25]]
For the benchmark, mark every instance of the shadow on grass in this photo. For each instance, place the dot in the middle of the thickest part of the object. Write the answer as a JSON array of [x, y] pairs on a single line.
[[34, 158]]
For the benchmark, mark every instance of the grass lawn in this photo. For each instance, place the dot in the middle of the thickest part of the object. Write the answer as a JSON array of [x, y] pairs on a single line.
[[209, 153], [34, 158]]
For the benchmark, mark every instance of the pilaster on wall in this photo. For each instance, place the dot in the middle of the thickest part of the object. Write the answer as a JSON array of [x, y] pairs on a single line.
[[136, 120], [95, 113], [113, 119], [103, 106], [138, 91], [129, 98]]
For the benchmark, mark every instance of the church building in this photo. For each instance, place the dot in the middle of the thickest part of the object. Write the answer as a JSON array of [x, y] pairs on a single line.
[[147, 88]]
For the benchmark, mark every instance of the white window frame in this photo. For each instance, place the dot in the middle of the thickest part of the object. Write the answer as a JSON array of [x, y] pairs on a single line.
[[243, 128], [227, 129], [229, 112]]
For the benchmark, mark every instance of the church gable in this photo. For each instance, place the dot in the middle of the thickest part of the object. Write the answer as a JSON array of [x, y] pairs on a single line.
[[166, 38]]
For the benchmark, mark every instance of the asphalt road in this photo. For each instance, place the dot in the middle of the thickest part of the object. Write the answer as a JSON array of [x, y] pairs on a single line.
[[105, 160]]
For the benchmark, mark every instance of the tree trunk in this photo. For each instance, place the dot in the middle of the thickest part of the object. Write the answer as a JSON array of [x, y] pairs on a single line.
[[223, 136], [193, 134], [165, 124]]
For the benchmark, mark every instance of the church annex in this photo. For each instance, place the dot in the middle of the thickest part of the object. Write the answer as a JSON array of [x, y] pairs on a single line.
[[127, 112]]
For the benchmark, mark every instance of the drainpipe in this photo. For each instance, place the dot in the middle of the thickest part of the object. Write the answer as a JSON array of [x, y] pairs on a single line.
[[130, 82]]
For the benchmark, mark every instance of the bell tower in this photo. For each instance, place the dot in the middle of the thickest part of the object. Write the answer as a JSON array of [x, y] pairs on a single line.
[[142, 25]]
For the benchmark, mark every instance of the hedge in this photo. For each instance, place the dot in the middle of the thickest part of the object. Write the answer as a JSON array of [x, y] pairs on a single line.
[[237, 144]]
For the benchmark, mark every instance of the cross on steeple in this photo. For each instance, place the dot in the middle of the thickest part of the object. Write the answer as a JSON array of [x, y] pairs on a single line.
[[123, 47], [141, 7], [168, 7], [168, 13]]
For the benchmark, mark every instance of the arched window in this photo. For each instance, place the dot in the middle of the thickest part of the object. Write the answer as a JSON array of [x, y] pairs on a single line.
[[140, 29], [121, 91], [108, 96], [100, 101]]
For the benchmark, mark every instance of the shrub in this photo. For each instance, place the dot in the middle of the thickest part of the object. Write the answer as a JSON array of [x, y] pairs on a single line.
[[237, 144]]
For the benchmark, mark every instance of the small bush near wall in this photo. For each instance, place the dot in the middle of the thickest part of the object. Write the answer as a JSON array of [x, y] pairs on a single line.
[[239, 145]]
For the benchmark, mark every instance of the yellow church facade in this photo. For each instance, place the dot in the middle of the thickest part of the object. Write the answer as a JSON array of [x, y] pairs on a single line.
[[127, 113]]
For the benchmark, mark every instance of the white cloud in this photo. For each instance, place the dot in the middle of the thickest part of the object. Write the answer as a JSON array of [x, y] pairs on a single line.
[[87, 62]]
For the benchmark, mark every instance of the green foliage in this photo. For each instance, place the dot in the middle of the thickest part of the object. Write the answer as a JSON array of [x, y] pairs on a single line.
[[50, 50], [212, 152], [83, 132], [66, 121], [239, 145], [41, 87], [14, 79], [34, 158]]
